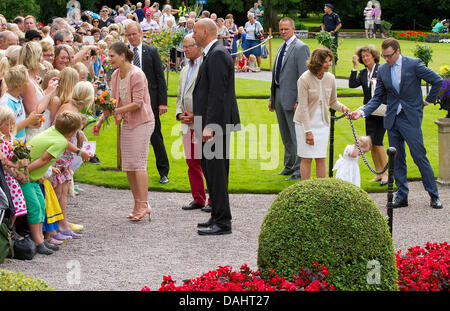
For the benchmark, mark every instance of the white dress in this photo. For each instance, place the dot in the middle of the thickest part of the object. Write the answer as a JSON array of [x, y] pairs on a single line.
[[347, 167], [320, 131], [31, 132]]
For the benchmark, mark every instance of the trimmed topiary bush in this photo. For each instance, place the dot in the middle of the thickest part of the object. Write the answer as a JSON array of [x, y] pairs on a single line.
[[15, 281], [334, 223]]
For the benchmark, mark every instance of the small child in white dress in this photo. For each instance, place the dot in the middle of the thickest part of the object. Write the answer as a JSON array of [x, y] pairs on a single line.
[[346, 166]]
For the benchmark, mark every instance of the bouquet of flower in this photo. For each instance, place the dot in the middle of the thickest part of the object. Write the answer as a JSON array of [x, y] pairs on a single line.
[[20, 151], [104, 102], [444, 93]]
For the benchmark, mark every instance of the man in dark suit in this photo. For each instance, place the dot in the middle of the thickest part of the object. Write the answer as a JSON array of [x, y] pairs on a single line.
[[147, 58], [400, 80], [215, 115]]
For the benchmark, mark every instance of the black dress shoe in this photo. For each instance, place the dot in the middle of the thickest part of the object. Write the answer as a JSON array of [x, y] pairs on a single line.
[[286, 171], [205, 224], [214, 230], [436, 203], [294, 177], [400, 203], [207, 208], [163, 180], [191, 206]]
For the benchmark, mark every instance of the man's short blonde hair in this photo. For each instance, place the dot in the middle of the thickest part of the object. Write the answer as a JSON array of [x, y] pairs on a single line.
[[16, 76], [68, 122]]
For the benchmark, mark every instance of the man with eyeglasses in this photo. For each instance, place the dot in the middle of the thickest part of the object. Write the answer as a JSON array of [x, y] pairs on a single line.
[[185, 114], [147, 58], [63, 36], [400, 80]]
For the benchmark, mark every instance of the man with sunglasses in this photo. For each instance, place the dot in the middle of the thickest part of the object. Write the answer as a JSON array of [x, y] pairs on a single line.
[[400, 80], [105, 19]]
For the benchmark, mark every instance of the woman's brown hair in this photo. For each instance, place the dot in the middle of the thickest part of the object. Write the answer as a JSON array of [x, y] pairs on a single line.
[[371, 49], [121, 48], [317, 59]]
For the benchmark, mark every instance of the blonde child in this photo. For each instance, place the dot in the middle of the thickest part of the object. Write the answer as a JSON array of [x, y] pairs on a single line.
[[82, 96], [252, 63], [16, 80], [346, 166], [68, 78], [45, 148], [242, 62], [7, 129]]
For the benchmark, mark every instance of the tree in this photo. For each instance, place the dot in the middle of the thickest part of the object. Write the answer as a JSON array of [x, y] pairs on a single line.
[[13, 8]]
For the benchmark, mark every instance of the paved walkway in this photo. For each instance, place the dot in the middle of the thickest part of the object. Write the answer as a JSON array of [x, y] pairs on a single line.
[[267, 76], [115, 254]]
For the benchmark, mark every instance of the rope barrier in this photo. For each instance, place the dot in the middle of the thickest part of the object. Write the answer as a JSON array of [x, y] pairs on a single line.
[[261, 44], [359, 147]]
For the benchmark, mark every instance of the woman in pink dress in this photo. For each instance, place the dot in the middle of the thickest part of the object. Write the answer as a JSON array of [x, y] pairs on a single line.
[[129, 87]]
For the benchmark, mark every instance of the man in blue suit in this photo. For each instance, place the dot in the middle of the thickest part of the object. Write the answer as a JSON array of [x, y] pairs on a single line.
[[400, 80]]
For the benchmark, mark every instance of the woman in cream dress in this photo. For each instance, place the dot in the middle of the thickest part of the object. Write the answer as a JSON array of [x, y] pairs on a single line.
[[316, 93]]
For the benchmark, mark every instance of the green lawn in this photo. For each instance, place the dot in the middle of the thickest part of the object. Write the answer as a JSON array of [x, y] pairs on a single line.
[[347, 48], [257, 152]]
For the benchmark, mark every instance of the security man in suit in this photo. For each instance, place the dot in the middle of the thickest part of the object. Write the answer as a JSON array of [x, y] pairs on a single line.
[[290, 64]]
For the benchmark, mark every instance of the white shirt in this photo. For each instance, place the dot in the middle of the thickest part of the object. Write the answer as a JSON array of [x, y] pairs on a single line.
[[146, 26], [192, 67], [208, 47], [288, 44], [139, 51]]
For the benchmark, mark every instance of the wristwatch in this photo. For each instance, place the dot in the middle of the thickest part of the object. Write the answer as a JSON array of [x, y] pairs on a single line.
[[78, 151]]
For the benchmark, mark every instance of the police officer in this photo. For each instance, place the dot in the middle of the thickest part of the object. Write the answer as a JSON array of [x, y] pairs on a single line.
[[182, 9], [331, 22]]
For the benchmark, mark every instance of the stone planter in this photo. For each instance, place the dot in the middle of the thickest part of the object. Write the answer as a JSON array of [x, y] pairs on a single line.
[[444, 150]]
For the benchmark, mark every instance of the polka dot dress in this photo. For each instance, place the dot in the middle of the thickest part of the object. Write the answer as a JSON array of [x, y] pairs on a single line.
[[14, 188]]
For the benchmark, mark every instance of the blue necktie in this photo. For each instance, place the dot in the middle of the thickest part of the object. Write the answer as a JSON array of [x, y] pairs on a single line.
[[396, 85], [279, 63], [394, 78]]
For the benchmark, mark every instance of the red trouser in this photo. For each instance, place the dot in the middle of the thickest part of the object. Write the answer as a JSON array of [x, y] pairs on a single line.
[[192, 152]]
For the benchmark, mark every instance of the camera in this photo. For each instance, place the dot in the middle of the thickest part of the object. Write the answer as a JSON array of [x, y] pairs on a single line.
[[93, 53], [101, 85]]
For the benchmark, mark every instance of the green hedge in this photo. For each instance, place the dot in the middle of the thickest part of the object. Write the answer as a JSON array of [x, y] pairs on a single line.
[[334, 223], [15, 281]]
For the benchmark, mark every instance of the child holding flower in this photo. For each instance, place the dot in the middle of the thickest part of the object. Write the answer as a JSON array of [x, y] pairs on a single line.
[[7, 129], [46, 147], [82, 96]]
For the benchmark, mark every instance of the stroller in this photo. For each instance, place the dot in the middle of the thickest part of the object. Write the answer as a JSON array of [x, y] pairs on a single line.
[[6, 214]]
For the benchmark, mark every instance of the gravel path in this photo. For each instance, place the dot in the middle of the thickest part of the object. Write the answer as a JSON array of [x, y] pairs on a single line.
[[115, 254]]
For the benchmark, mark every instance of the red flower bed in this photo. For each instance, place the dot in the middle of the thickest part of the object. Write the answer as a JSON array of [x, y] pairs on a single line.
[[224, 279], [419, 36], [425, 269], [420, 269]]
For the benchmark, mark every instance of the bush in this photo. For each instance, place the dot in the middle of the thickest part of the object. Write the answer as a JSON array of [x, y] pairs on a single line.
[[425, 269], [224, 279], [12, 8], [334, 223], [15, 281]]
